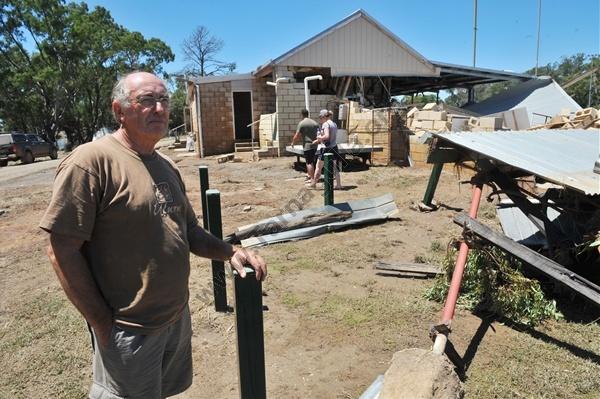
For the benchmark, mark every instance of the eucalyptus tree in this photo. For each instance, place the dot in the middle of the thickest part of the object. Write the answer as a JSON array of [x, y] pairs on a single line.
[[58, 62]]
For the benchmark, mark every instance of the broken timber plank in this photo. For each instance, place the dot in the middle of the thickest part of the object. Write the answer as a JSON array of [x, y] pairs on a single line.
[[544, 265], [417, 268]]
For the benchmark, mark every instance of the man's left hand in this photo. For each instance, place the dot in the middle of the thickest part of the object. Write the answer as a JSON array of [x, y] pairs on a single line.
[[242, 257]]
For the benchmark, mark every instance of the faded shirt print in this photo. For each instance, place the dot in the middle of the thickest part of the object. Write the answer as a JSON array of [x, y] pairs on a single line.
[[163, 204]]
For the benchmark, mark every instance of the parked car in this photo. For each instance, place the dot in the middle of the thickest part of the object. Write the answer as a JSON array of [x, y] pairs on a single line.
[[24, 147]]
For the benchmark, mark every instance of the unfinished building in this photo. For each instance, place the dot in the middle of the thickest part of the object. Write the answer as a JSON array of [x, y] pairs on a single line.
[[357, 64]]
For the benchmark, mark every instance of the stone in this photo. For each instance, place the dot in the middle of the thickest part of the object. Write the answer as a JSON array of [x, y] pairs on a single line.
[[420, 374]]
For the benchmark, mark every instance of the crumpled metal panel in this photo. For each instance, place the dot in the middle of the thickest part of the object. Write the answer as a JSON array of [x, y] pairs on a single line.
[[563, 157], [364, 211]]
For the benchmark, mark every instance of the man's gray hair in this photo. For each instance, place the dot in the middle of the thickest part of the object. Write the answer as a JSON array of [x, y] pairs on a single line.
[[120, 92]]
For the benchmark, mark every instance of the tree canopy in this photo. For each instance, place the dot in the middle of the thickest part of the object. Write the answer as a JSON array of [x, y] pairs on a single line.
[[58, 63]]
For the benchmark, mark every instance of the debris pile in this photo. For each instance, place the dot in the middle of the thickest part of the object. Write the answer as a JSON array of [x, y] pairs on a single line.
[[587, 118], [431, 118], [493, 281]]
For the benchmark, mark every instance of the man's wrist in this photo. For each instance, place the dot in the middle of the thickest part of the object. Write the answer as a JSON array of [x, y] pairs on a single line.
[[232, 250]]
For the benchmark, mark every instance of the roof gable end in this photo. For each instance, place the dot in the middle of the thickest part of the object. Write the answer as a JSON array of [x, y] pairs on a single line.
[[359, 45]]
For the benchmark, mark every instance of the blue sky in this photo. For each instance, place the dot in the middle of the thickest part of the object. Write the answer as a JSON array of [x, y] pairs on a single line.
[[256, 31]]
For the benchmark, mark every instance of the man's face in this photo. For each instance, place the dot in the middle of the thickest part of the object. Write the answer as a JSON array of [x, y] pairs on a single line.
[[148, 113]]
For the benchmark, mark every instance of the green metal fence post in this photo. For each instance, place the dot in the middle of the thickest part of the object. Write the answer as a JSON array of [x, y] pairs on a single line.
[[328, 179], [432, 184], [250, 335], [203, 172], [213, 204]]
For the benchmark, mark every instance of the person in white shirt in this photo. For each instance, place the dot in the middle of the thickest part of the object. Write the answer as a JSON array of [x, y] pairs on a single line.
[[327, 145]]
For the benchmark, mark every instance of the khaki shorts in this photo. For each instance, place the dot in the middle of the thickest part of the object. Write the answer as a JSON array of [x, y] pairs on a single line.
[[144, 366]]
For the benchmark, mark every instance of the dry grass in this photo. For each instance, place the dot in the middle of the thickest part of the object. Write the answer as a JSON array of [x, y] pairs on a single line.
[[333, 323]]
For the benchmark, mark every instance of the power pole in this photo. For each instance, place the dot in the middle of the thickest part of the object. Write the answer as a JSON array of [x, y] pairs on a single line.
[[475, 33], [590, 90], [537, 53]]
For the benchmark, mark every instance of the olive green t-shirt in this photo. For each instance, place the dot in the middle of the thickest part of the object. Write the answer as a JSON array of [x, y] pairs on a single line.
[[308, 129], [133, 215]]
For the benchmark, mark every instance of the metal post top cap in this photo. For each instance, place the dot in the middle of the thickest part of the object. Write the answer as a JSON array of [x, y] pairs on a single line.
[[212, 191]]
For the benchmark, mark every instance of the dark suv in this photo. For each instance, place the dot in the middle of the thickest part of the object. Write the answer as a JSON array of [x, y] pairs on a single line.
[[25, 147]]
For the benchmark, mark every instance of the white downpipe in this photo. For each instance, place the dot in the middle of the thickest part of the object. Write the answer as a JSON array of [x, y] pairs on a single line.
[[307, 92], [277, 81]]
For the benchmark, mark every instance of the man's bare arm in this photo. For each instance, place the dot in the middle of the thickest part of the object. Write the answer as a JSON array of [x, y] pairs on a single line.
[[296, 137], [79, 285], [208, 246]]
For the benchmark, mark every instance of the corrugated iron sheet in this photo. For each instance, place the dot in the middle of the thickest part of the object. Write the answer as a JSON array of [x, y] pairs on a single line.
[[564, 157], [518, 227], [364, 211], [539, 96]]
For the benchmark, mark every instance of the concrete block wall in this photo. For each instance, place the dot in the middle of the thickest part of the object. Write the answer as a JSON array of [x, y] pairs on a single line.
[[290, 101], [217, 117]]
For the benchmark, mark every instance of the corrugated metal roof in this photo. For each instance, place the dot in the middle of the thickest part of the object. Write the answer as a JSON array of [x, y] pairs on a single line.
[[480, 72], [219, 78], [539, 96], [564, 157]]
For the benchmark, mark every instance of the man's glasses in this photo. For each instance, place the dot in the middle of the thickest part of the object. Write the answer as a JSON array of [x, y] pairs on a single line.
[[150, 101]]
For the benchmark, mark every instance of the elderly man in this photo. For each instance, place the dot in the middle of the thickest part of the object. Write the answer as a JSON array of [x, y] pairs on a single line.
[[121, 231]]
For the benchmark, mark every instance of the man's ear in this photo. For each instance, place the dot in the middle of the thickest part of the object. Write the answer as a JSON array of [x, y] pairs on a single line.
[[117, 111]]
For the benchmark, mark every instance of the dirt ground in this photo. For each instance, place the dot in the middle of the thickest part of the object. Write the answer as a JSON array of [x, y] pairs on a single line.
[[333, 323]]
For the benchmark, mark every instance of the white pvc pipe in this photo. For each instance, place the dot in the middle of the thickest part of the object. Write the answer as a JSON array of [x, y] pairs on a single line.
[[274, 84], [306, 92], [439, 345]]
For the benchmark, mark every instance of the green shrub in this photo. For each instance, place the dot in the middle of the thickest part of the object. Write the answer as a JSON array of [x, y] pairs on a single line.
[[493, 281]]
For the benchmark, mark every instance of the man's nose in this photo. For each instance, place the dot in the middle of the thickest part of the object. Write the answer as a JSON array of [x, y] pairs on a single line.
[[159, 107]]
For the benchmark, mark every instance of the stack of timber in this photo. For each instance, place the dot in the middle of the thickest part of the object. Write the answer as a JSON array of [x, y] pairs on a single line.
[[587, 118]]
